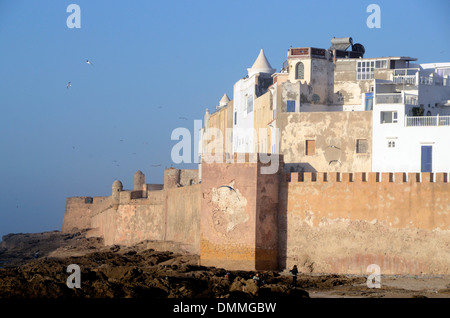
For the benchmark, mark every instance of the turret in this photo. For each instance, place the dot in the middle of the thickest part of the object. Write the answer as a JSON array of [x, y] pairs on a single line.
[[139, 180], [117, 187]]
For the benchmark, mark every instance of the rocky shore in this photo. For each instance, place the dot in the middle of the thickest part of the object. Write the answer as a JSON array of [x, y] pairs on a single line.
[[35, 266]]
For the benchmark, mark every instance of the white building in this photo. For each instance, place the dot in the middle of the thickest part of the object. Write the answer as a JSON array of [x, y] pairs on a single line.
[[245, 91], [411, 120], [409, 106]]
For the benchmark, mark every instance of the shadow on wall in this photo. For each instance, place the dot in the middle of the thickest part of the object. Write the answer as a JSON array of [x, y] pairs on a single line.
[[298, 167], [282, 220]]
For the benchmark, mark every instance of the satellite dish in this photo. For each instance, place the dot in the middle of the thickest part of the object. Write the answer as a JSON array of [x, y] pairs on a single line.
[[357, 47]]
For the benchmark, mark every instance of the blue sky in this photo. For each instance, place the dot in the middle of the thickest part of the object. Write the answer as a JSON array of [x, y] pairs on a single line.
[[154, 61]]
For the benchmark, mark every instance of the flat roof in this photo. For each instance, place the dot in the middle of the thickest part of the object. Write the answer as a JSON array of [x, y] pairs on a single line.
[[404, 58]]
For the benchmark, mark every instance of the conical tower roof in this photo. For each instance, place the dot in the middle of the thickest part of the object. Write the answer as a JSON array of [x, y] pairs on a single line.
[[224, 100], [261, 65]]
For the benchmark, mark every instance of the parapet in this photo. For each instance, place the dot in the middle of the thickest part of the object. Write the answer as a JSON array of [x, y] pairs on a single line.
[[174, 178], [245, 157], [369, 177]]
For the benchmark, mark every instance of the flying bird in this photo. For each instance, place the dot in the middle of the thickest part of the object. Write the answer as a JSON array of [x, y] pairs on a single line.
[[182, 118], [68, 85], [156, 165], [331, 146], [333, 161], [89, 62]]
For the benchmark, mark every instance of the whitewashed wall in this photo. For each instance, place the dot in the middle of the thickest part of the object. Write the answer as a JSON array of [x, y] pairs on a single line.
[[406, 155]]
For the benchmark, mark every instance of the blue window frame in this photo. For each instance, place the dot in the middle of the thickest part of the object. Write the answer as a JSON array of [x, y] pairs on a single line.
[[426, 159], [290, 106]]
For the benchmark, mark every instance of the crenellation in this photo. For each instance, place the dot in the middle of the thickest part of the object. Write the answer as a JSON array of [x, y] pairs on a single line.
[[414, 177], [427, 177], [386, 177], [400, 177], [248, 234], [321, 177], [345, 177], [295, 177], [367, 177]]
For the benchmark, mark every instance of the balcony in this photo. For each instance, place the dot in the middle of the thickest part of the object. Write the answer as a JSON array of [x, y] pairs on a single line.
[[396, 98], [406, 76], [427, 121]]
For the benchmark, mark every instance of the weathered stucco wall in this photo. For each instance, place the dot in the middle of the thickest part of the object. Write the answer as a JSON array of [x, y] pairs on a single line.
[[335, 135], [79, 211], [182, 218], [227, 216], [166, 215], [221, 119], [154, 213], [323, 222], [239, 224], [343, 227], [131, 221], [263, 116]]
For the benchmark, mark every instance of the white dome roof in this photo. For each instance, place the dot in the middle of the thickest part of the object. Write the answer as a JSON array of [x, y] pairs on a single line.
[[224, 100], [261, 65]]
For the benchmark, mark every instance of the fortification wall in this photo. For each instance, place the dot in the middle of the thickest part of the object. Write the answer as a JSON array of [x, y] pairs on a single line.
[[238, 216], [341, 223], [79, 211], [166, 215], [182, 218]]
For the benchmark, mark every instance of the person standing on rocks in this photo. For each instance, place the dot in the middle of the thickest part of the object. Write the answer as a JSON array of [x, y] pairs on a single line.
[[256, 278], [294, 272]]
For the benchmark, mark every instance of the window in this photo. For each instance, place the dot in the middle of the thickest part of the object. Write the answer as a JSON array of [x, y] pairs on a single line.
[[249, 104], [362, 146], [369, 101], [235, 118], [364, 70], [388, 117], [299, 71], [310, 147], [381, 64], [290, 105], [391, 144]]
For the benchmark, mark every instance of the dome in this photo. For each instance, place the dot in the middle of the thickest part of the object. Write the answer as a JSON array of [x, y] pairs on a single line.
[[117, 185], [261, 65], [224, 101]]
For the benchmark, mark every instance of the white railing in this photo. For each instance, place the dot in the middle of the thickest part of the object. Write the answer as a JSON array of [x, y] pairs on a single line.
[[405, 79], [396, 98], [406, 76], [427, 121]]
